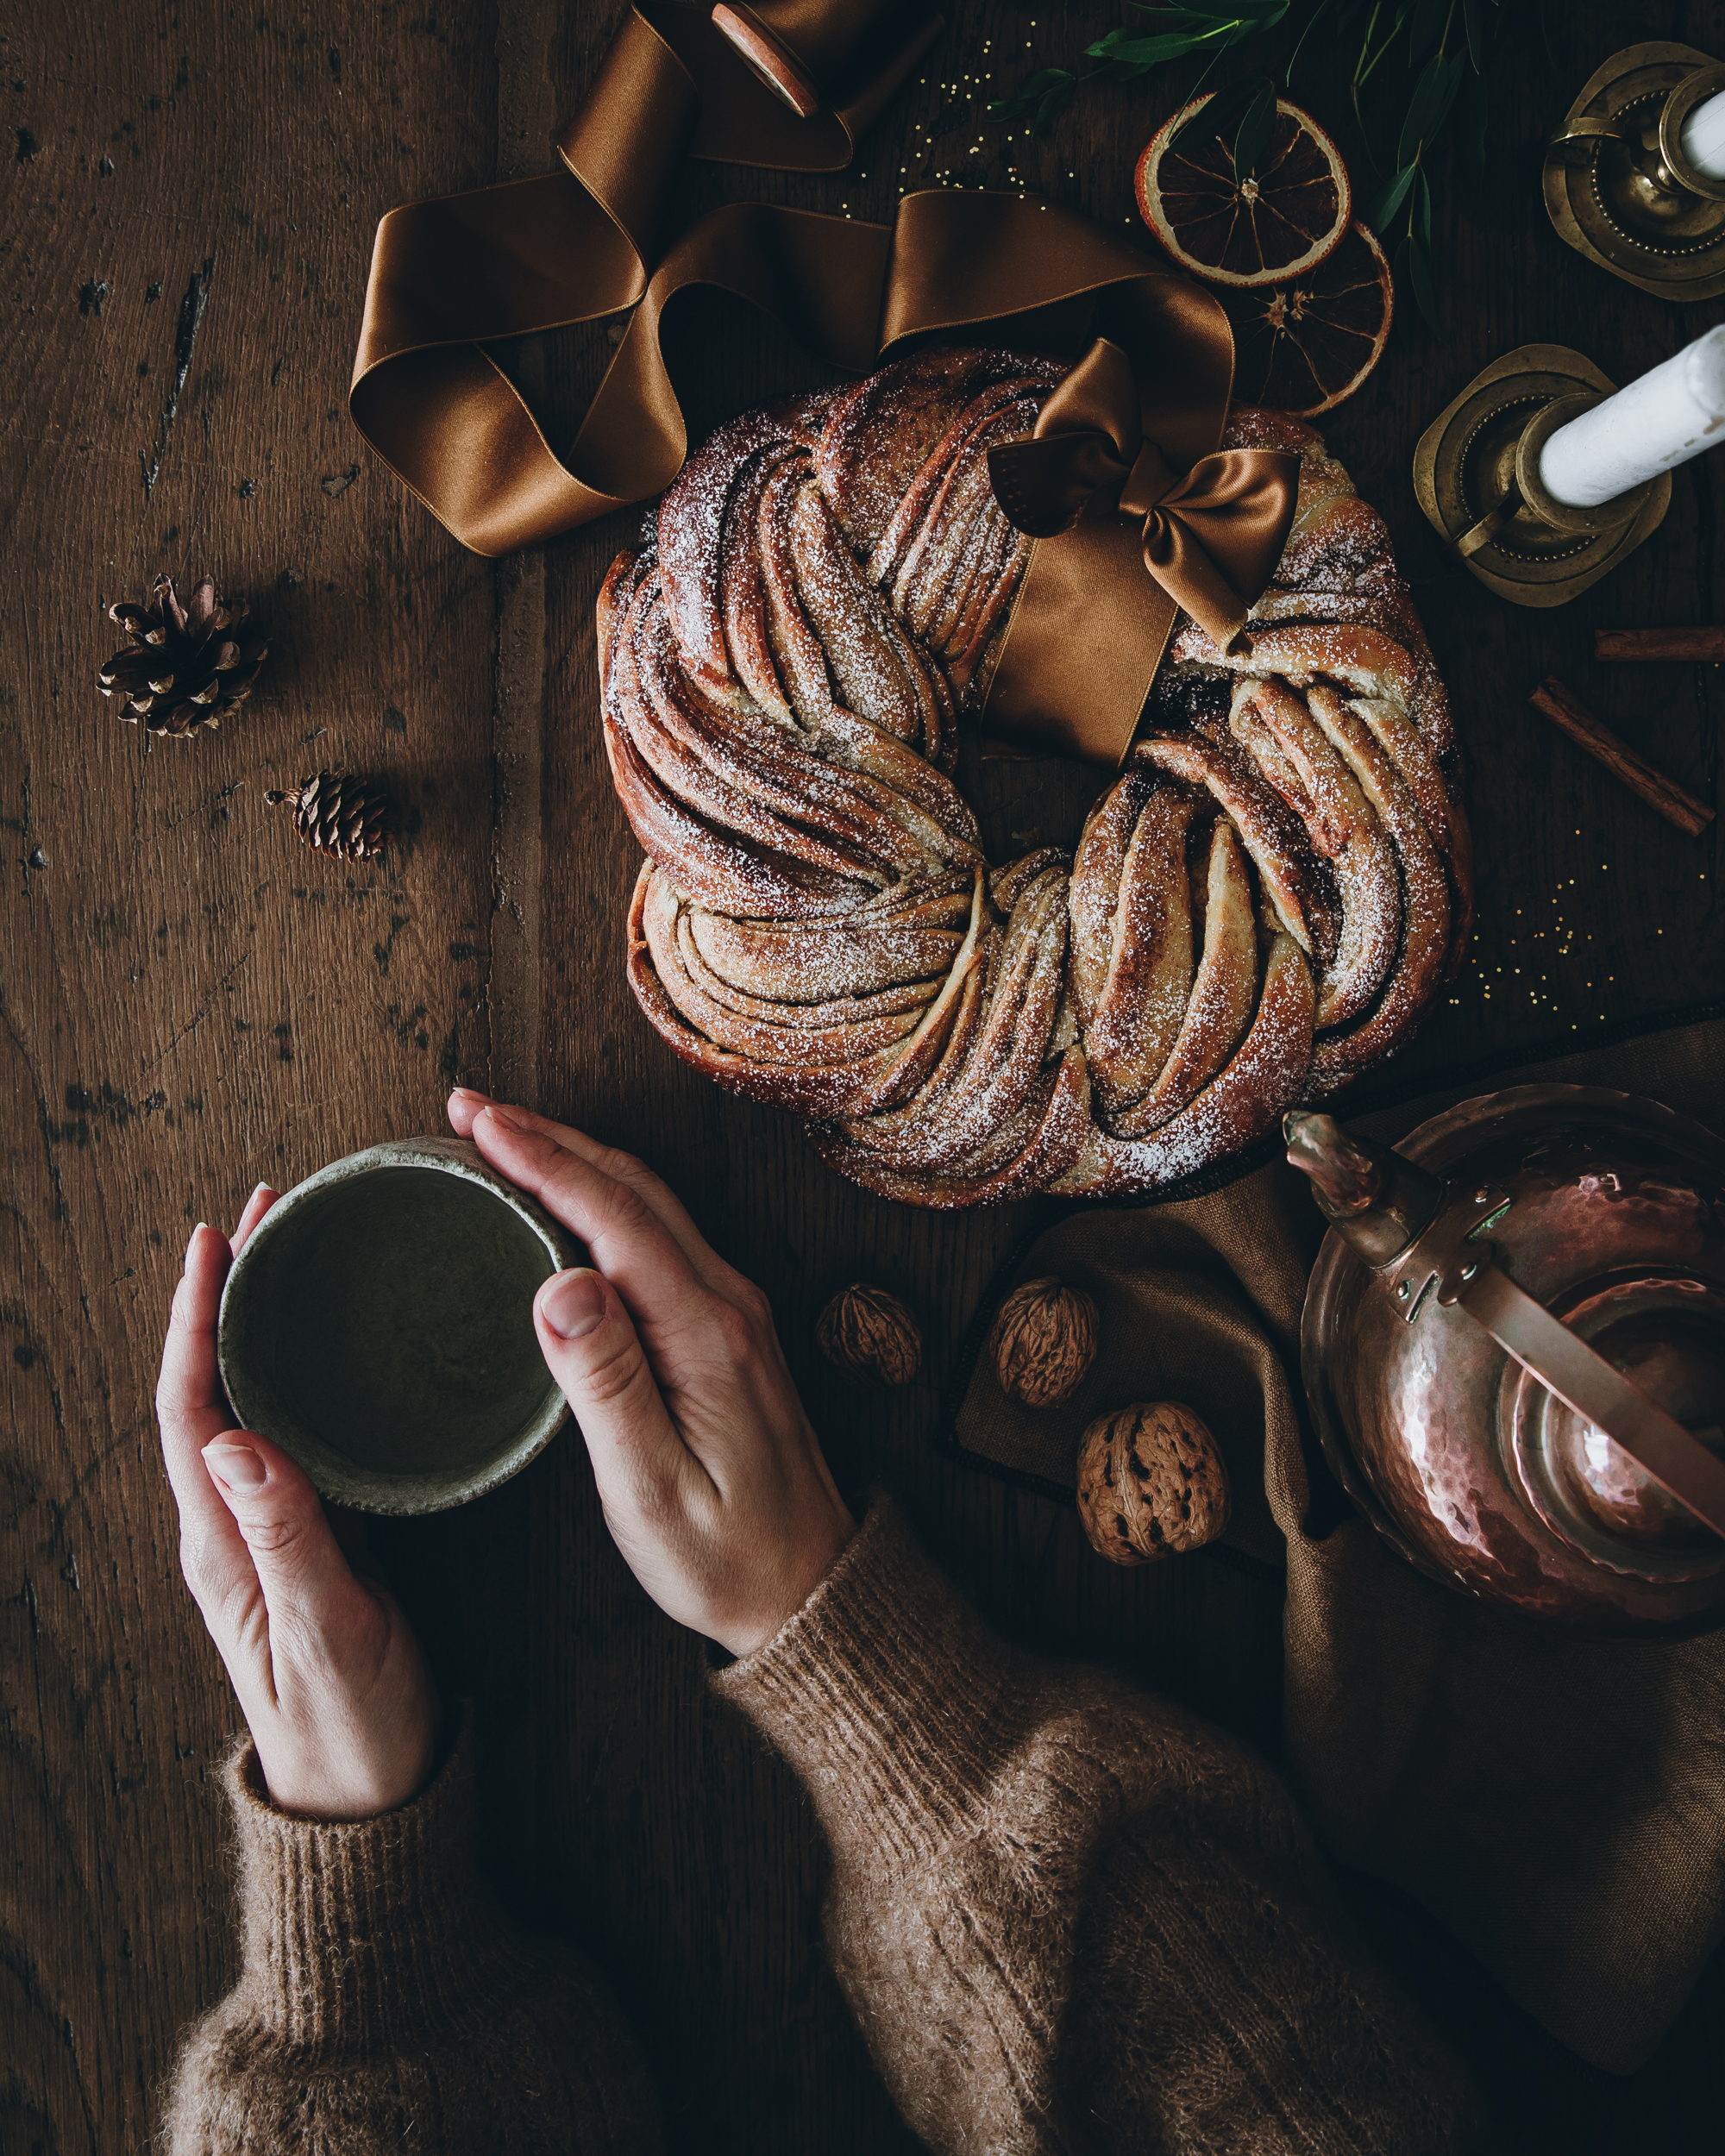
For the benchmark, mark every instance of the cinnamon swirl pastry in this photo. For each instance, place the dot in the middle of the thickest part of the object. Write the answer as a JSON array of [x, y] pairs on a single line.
[[1260, 907]]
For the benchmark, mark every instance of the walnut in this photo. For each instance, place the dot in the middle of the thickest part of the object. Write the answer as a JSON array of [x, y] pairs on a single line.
[[1044, 1341], [870, 1336], [1151, 1484]]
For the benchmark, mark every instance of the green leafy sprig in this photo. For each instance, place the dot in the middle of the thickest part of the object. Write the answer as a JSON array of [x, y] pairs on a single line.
[[1212, 27], [1450, 45], [1446, 49]]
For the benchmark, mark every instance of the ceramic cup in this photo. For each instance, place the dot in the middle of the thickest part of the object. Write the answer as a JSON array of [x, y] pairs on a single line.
[[379, 1327]]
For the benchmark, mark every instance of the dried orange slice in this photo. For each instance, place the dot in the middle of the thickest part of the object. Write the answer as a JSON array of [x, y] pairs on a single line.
[[1279, 221], [1303, 347]]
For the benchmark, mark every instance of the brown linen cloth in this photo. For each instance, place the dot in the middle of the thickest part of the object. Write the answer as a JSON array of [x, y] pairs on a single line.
[[1558, 1803]]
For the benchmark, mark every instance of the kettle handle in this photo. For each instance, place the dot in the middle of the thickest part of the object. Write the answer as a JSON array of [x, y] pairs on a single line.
[[1567, 1365], [1368, 1194]]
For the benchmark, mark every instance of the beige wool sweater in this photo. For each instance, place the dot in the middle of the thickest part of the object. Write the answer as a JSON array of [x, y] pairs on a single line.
[[1067, 1917]]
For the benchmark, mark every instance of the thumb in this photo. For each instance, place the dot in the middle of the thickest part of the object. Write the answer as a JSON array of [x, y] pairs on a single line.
[[299, 1565], [595, 1354]]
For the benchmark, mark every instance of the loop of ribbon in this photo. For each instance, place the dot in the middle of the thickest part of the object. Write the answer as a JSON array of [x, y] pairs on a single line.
[[452, 276], [1211, 537]]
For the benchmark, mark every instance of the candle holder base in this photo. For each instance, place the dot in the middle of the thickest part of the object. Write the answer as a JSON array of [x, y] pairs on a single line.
[[1618, 186], [1476, 473]]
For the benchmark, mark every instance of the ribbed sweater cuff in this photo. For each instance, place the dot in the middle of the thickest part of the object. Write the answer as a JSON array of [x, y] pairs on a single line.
[[357, 1935], [888, 1696]]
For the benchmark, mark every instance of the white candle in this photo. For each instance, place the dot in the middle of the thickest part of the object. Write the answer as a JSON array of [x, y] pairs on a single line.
[[1704, 137], [1669, 415]]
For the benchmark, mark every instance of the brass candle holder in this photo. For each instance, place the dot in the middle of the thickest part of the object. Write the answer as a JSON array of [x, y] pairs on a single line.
[[1476, 474], [1618, 185]]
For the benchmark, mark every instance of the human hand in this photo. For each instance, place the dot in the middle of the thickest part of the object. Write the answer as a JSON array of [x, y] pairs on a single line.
[[713, 1481], [329, 1674]]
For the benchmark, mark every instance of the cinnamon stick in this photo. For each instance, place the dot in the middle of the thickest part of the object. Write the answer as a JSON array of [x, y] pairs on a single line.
[[1701, 643], [1565, 709]]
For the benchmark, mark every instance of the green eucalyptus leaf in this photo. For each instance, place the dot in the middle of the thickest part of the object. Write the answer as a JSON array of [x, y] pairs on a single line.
[[1199, 22], [1379, 213], [1419, 277], [1433, 95], [1253, 138], [1215, 117], [1456, 72], [1121, 46], [1251, 15], [1055, 101], [1422, 208], [1426, 20], [1422, 103], [1312, 22], [1028, 102], [1473, 14], [1194, 130]]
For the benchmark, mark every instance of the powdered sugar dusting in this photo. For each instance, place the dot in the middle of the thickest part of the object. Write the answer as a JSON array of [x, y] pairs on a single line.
[[814, 928]]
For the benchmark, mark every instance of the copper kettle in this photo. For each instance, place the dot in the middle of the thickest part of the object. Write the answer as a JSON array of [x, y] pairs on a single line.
[[1514, 1348]]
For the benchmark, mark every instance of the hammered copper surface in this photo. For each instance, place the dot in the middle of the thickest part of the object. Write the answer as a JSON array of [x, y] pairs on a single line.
[[1616, 1220]]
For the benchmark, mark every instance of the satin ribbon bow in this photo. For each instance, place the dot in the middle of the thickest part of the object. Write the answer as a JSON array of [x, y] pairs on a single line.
[[1212, 535]]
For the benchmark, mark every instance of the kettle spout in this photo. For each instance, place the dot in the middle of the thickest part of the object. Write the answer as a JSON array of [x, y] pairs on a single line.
[[1377, 1200], [1345, 1179]]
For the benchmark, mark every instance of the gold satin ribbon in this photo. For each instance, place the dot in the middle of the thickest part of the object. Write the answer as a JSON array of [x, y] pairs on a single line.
[[450, 275], [856, 52], [1210, 538]]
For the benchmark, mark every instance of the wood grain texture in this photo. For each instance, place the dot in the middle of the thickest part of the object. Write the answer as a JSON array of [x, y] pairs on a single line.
[[189, 1003]]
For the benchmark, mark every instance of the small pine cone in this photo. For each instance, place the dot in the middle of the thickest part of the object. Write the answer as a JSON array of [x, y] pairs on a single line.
[[1151, 1484], [870, 1336], [183, 667], [336, 813], [1043, 1342]]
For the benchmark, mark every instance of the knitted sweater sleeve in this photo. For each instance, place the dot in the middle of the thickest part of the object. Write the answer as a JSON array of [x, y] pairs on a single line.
[[385, 2002], [1067, 1916]]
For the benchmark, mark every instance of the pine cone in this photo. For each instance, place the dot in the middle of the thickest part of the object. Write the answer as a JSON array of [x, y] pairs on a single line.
[[183, 667], [336, 813], [1043, 1342], [870, 1336]]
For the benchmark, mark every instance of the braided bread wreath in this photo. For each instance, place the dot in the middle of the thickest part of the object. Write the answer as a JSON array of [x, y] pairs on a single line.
[[1261, 905]]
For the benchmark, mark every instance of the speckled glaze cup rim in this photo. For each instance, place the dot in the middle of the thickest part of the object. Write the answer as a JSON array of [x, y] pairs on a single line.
[[408, 1494]]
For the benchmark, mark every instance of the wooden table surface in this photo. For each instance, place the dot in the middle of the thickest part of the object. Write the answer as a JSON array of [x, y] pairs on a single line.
[[192, 1003]]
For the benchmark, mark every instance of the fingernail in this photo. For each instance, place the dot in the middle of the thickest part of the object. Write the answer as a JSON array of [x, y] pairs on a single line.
[[573, 1304], [235, 1466], [466, 1093], [257, 1189], [503, 1116]]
